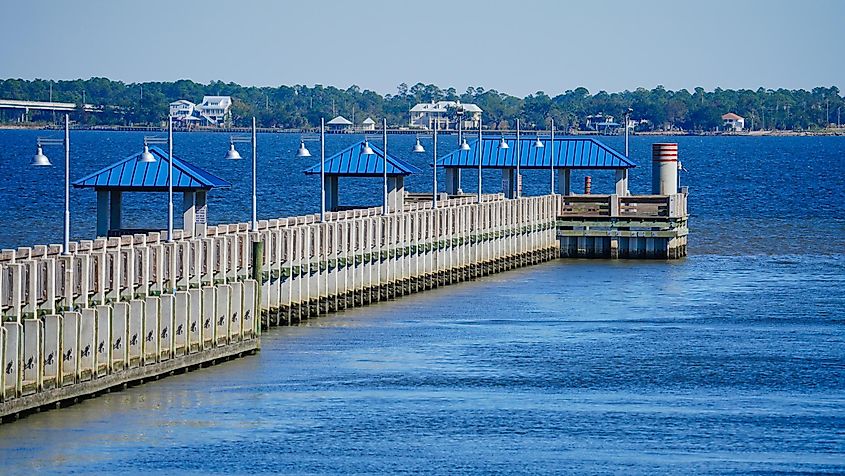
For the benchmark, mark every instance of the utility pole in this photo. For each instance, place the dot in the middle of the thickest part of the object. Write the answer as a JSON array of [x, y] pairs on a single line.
[[827, 117]]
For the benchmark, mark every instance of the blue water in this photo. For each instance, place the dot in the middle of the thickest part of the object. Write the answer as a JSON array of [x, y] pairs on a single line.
[[730, 361]]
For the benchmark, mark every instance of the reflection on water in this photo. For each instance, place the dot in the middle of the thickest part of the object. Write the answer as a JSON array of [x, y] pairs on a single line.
[[709, 364]]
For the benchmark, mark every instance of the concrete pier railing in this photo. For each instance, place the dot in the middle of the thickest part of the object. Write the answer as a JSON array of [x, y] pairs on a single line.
[[120, 310]]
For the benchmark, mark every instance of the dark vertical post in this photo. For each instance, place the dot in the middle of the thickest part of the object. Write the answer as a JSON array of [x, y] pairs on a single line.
[[258, 276]]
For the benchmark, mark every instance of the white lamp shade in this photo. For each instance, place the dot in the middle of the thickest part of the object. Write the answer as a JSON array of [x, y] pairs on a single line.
[[464, 145], [147, 156], [503, 144], [303, 151], [233, 153], [366, 149], [538, 143], [40, 160], [418, 148]]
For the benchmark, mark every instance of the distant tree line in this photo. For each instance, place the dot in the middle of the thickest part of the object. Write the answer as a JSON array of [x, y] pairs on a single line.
[[302, 106]]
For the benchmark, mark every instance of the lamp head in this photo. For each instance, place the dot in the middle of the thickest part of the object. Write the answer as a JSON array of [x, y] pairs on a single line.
[[147, 156], [464, 145], [538, 143], [503, 144], [418, 148], [366, 149], [233, 153], [40, 160], [303, 151]]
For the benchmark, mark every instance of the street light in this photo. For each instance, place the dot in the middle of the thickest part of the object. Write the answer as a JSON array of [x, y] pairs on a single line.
[[146, 157], [233, 154], [480, 156], [518, 160], [41, 160], [304, 152], [418, 148], [552, 155], [367, 150], [627, 116]]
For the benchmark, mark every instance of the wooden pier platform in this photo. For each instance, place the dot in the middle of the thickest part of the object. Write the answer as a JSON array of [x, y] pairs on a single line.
[[115, 311]]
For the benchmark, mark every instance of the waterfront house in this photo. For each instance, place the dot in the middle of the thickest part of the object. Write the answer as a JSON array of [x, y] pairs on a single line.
[[212, 111], [602, 123], [368, 125], [181, 109], [340, 124], [446, 114], [215, 110], [733, 122]]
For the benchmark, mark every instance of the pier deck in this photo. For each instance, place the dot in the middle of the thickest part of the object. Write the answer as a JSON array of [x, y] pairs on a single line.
[[114, 311]]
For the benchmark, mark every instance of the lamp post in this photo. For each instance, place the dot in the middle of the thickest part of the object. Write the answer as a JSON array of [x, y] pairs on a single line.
[[233, 154], [304, 152], [419, 149], [552, 156], [627, 116], [146, 156], [518, 160], [367, 150], [41, 160], [384, 164], [480, 156]]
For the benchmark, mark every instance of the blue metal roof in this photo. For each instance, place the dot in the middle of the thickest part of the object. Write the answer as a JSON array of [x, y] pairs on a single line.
[[571, 153], [350, 162], [130, 174]]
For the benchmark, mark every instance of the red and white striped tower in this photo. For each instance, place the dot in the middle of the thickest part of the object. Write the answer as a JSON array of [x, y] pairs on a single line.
[[664, 169]]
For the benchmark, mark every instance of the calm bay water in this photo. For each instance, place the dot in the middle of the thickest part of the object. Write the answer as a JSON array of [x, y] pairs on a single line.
[[730, 361]]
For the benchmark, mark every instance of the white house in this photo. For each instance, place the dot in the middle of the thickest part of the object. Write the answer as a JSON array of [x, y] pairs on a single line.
[[733, 122], [424, 115], [212, 111], [181, 109], [368, 125], [216, 110]]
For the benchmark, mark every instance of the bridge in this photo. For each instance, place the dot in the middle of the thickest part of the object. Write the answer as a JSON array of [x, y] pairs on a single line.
[[116, 311], [26, 106]]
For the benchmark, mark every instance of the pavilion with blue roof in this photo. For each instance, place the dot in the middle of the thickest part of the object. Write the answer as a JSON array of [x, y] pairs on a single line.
[[567, 154], [353, 162], [134, 175]]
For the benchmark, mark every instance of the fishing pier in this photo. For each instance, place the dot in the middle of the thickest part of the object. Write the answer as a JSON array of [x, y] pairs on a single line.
[[130, 306]]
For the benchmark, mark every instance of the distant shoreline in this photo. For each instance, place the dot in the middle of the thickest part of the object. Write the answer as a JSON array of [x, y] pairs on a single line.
[[767, 133]]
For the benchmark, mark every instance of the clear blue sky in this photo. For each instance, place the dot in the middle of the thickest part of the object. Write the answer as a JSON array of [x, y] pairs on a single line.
[[517, 47]]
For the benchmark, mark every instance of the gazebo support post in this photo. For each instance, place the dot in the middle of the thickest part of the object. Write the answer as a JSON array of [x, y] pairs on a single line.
[[508, 182], [115, 210], [102, 212], [453, 180], [200, 212], [396, 192], [622, 182], [189, 213], [331, 191], [565, 180]]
